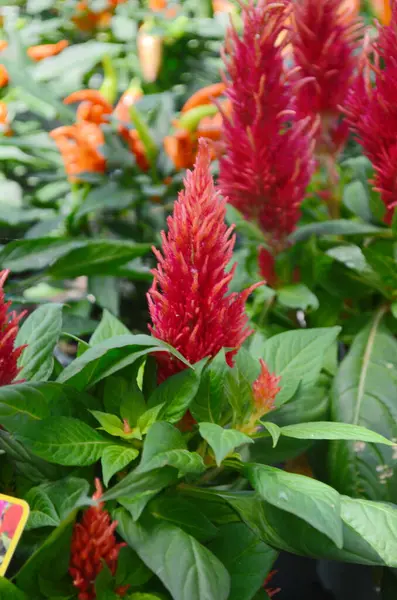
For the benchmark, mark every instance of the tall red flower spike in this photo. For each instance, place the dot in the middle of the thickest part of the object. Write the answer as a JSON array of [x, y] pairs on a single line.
[[93, 544], [269, 151], [189, 302], [9, 325], [326, 37], [372, 112]]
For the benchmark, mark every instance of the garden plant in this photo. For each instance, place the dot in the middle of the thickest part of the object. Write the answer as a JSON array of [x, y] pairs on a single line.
[[198, 294]]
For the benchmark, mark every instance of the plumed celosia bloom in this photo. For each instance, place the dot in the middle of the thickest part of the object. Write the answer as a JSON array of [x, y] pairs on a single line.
[[93, 544], [269, 151], [372, 112], [326, 36], [189, 302], [265, 390], [9, 325]]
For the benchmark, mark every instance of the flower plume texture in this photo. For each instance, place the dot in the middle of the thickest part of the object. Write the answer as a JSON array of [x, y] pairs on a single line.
[[9, 324], [326, 37], [372, 111], [269, 150], [189, 302]]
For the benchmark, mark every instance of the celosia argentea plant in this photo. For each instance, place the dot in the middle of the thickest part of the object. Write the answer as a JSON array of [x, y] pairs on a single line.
[[148, 461]]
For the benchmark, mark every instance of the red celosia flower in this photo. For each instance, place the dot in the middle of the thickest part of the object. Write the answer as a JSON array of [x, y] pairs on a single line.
[[325, 41], [189, 302], [93, 544], [372, 113], [8, 332], [265, 390], [268, 161]]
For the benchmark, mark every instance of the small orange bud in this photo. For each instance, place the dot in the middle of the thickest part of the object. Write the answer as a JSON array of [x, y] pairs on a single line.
[[43, 51], [150, 53]]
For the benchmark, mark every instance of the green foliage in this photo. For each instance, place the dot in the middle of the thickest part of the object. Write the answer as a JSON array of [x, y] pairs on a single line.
[[204, 493]]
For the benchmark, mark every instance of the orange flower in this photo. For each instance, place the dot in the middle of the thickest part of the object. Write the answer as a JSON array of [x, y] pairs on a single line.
[[78, 145], [130, 96], [182, 145], [222, 6], [87, 20], [382, 9], [94, 109], [43, 51], [204, 96], [93, 106], [4, 125], [157, 5], [3, 71]]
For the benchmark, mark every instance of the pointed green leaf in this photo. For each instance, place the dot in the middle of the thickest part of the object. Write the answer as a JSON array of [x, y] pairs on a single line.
[[40, 332], [222, 441], [186, 568], [108, 327], [114, 459], [274, 430], [324, 430], [313, 501], [64, 441]]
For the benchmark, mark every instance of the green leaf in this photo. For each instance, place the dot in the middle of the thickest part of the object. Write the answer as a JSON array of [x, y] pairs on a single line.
[[114, 459], [335, 227], [297, 296], [286, 531], [247, 558], [186, 568], [184, 514], [136, 489], [222, 441], [70, 258], [97, 258], [109, 196], [363, 394], [238, 385], [49, 561], [251, 231], [108, 327], [26, 255], [310, 500], [165, 446], [51, 503], [355, 198], [274, 430], [40, 332], [376, 523], [8, 591], [130, 569], [26, 403], [297, 357], [114, 426], [64, 441], [210, 398], [333, 431], [111, 356], [149, 417], [351, 256], [177, 392]]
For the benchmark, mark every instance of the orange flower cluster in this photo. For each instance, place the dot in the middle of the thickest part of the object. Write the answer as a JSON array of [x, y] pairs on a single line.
[[80, 143], [4, 124], [36, 53], [182, 145], [86, 19]]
